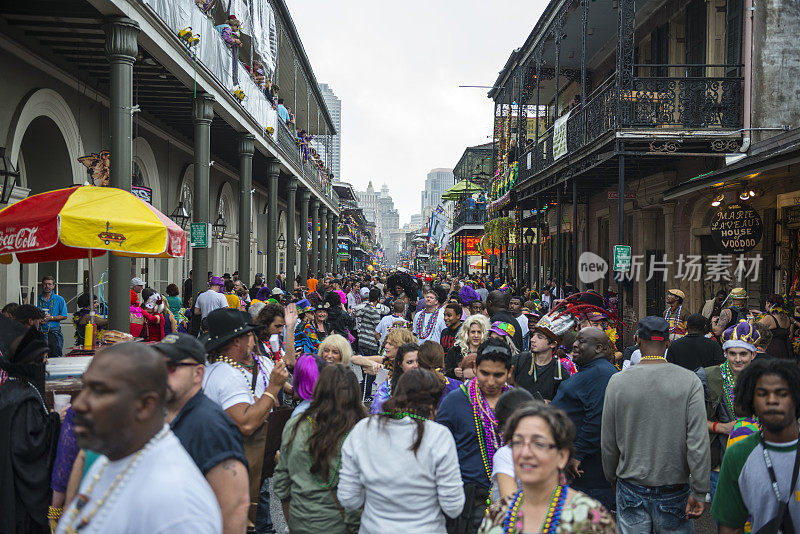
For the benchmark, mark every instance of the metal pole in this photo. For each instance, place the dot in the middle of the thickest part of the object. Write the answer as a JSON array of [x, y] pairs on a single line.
[[538, 241], [585, 21], [291, 234], [273, 171], [574, 274], [121, 49], [621, 222], [335, 269], [246, 149], [203, 115], [314, 268], [305, 194], [559, 252]]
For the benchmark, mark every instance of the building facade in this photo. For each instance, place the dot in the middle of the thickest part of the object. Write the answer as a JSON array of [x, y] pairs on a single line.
[[436, 183], [192, 142], [651, 139], [334, 105]]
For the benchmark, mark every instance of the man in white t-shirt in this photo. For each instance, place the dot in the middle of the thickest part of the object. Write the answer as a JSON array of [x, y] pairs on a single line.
[[238, 381], [398, 308], [212, 299], [429, 323], [145, 481]]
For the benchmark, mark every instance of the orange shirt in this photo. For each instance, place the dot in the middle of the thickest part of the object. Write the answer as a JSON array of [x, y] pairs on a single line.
[[312, 284]]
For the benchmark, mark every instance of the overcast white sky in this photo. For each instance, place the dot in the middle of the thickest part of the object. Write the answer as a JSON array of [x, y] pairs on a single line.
[[397, 66]]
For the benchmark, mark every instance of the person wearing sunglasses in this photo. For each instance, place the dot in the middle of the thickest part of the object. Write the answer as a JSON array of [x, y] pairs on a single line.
[[541, 443], [204, 430]]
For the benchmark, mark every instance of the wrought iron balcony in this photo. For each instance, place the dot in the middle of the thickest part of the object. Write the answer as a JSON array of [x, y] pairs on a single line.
[[469, 216], [651, 106]]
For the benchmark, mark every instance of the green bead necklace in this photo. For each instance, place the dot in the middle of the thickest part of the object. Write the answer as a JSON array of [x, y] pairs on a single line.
[[310, 462], [400, 415]]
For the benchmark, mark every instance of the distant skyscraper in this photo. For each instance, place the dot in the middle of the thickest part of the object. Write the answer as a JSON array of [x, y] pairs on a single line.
[[334, 106], [437, 182]]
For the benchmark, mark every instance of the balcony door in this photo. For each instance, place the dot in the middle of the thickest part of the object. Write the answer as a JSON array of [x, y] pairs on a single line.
[[696, 25]]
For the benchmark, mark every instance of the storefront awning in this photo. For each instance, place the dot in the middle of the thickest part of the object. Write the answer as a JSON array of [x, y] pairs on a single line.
[[776, 152]]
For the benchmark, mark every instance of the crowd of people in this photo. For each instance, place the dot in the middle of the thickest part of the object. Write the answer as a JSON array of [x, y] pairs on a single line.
[[401, 402]]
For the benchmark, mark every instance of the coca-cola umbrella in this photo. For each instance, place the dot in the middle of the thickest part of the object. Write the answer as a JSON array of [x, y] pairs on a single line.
[[86, 221]]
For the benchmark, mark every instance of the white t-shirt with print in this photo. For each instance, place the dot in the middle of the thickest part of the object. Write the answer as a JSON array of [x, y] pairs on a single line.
[[164, 493]]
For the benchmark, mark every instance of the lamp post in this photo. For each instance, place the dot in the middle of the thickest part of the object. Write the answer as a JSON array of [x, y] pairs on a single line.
[[180, 216], [529, 237], [219, 227], [8, 176], [281, 242]]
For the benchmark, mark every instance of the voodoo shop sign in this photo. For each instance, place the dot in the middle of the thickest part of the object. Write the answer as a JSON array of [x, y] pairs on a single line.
[[736, 228]]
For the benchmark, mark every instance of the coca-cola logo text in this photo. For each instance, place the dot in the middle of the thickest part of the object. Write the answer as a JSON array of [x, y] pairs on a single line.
[[22, 239]]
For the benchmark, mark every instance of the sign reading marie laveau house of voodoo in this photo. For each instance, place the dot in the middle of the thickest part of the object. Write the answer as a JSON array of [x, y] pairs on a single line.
[[736, 228]]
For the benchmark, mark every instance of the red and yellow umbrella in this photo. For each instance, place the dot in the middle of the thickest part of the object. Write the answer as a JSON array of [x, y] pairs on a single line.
[[68, 224]]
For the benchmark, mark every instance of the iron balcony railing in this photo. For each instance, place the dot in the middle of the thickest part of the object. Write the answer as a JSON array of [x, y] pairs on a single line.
[[287, 145], [469, 216], [655, 103]]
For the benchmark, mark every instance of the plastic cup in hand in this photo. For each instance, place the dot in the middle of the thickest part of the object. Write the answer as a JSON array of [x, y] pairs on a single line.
[[61, 401]]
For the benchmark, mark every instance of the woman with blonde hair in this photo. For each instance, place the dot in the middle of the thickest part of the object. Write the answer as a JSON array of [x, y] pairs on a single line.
[[336, 349], [474, 331]]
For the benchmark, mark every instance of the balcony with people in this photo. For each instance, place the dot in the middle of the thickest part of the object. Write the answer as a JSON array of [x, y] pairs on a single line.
[[468, 195], [258, 56]]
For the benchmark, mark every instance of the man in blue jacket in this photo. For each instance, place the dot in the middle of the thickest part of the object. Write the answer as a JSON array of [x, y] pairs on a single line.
[[582, 397]]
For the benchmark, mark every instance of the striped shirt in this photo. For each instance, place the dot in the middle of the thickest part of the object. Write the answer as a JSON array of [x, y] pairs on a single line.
[[368, 316]]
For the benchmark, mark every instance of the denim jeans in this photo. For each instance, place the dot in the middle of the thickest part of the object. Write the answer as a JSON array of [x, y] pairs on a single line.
[[263, 516], [55, 340], [642, 510], [713, 479], [605, 496]]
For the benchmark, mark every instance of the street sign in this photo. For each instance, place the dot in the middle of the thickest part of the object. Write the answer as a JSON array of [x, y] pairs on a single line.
[[622, 258], [200, 235], [629, 195]]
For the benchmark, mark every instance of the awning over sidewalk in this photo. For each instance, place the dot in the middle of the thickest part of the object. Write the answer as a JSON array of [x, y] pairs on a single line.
[[775, 152]]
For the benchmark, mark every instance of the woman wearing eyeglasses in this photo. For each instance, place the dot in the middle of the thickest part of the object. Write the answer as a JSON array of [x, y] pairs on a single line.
[[540, 437]]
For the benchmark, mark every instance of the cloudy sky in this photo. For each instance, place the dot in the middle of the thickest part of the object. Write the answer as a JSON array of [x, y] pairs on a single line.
[[397, 66]]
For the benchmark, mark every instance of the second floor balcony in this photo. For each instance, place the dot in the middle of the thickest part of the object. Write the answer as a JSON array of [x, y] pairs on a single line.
[[584, 83], [468, 216]]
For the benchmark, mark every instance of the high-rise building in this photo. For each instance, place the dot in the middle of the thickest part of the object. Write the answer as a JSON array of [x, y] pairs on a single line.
[[334, 105], [368, 201], [379, 209], [437, 182]]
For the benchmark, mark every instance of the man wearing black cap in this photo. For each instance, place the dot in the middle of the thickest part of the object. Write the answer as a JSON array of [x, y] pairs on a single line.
[[207, 434], [236, 380], [653, 412]]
